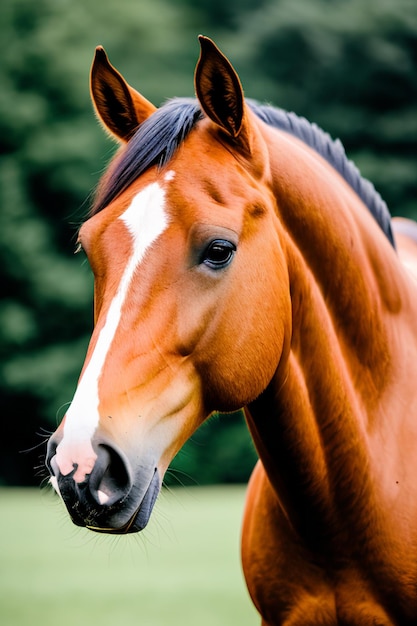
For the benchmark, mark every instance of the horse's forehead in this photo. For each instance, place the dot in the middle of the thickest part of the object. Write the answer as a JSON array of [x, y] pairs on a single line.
[[200, 190], [146, 216], [137, 213], [212, 187]]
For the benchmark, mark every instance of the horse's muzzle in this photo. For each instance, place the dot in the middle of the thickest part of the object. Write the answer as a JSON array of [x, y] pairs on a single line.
[[113, 498]]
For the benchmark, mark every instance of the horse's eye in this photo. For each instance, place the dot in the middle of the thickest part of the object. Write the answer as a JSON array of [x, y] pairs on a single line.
[[218, 254]]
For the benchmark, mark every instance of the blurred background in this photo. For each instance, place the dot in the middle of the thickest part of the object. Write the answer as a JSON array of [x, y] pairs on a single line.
[[348, 65]]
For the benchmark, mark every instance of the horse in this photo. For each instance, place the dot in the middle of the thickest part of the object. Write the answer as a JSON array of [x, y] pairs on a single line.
[[242, 261]]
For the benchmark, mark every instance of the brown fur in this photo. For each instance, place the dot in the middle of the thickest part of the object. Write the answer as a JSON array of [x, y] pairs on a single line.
[[312, 327]]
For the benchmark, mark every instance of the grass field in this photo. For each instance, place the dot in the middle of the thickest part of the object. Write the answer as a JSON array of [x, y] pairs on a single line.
[[183, 569]]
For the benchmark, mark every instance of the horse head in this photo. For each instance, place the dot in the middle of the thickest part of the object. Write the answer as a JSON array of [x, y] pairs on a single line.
[[180, 239]]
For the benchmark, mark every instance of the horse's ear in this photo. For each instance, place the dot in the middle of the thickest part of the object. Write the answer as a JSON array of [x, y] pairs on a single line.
[[219, 91], [119, 107]]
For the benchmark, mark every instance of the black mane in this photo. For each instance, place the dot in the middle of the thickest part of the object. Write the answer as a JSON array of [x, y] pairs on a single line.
[[157, 139], [154, 143]]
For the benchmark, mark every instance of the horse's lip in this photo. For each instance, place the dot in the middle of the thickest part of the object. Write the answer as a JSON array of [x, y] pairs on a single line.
[[123, 530], [140, 517]]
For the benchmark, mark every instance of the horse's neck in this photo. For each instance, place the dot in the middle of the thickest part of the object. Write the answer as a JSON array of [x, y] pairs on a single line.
[[310, 425]]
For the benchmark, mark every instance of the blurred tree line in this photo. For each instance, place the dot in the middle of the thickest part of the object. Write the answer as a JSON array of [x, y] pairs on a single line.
[[348, 65]]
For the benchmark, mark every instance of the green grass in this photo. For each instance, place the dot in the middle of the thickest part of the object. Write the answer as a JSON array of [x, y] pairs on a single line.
[[183, 569]]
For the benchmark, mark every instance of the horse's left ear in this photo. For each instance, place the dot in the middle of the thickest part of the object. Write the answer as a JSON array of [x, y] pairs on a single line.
[[120, 108], [220, 92]]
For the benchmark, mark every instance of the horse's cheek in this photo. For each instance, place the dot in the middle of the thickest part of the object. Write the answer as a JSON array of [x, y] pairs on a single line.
[[239, 355], [259, 336]]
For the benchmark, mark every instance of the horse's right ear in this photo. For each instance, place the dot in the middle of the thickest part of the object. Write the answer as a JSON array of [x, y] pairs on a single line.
[[120, 108], [220, 93]]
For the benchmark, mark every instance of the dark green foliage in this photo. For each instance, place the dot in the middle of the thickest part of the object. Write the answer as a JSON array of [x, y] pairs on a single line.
[[350, 66]]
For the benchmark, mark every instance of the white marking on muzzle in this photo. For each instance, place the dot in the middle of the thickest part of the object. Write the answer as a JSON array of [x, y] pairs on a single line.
[[145, 220]]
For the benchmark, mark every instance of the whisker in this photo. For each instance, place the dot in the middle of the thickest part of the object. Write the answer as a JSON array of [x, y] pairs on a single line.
[[179, 475], [63, 406]]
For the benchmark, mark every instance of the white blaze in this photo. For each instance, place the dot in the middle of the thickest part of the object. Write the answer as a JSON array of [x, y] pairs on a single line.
[[146, 220]]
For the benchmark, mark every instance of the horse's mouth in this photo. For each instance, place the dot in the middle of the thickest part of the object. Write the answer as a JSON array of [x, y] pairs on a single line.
[[139, 519], [123, 530], [129, 514]]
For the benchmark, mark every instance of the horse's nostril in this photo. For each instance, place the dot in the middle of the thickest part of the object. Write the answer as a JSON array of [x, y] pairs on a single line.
[[110, 479], [108, 482], [112, 496]]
